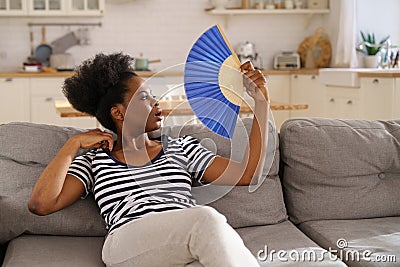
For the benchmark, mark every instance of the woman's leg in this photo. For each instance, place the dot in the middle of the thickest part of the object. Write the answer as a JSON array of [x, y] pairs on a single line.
[[176, 238]]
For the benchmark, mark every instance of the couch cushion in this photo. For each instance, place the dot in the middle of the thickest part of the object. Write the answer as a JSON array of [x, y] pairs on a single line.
[[50, 251], [380, 236], [340, 169], [260, 204], [289, 241], [26, 149]]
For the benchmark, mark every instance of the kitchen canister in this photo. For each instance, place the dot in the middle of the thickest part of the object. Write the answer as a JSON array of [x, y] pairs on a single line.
[[246, 4], [317, 4]]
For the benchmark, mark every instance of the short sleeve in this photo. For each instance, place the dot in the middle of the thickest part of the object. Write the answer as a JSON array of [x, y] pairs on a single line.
[[198, 157], [81, 168]]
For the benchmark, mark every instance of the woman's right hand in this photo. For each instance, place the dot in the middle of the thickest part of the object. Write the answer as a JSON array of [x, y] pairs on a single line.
[[94, 139]]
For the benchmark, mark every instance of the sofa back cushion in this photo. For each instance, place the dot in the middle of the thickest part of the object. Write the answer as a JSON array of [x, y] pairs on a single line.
[[26, 149], [260, 204], [340, 169]]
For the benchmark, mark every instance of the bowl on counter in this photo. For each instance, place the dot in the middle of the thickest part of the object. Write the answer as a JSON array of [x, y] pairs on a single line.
[[32, 67]]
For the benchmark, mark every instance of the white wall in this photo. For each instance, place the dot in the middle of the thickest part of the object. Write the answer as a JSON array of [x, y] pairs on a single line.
[[380, 17], [160, 29]]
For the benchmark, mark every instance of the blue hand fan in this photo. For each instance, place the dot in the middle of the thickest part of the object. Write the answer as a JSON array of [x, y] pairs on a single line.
[[213, 82]]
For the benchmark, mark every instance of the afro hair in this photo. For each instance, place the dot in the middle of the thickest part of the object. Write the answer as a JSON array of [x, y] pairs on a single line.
[[99, 84]]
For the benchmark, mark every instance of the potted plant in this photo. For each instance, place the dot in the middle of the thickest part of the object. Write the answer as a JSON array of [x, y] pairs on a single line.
[[370, 48]]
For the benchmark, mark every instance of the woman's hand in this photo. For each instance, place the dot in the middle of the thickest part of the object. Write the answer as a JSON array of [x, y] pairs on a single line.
[[94, 139], [255, 82]]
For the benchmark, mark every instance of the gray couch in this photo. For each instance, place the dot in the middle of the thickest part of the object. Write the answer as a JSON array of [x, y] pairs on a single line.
[[330, 193]]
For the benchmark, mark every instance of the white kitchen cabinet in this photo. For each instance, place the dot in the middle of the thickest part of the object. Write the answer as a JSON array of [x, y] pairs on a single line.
[[48, 8], [342, 102], [44, 91], [306, 89], [378, 98], [279, 90], [86, 7], [14, 99], [13, 7]]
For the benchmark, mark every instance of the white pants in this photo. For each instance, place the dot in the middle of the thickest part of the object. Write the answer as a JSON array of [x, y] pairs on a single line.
[[177, 238]]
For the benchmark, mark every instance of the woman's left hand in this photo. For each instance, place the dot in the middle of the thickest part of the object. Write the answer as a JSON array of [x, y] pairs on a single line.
[[255, 82]]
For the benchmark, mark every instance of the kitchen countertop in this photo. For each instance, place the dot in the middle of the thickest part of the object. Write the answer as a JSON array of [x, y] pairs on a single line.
[[140, 73], [376, 73]]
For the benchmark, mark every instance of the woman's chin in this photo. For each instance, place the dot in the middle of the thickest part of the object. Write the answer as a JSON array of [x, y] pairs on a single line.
[[154, 126]]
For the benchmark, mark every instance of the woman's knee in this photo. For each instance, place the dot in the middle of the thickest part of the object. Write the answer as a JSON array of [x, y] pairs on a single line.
[[210, 215]]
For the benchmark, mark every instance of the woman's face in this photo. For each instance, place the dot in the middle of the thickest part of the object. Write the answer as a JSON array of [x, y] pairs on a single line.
[[142, 111]]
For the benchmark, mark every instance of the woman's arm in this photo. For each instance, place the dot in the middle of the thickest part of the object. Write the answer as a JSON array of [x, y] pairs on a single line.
[[225, 171], [54, 189]]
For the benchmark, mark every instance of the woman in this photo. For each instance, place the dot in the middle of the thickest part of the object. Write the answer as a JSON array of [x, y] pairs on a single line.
[[142, 186]]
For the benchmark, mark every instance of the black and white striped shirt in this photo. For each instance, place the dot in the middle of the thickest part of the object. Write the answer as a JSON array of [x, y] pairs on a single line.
[[125, 192]]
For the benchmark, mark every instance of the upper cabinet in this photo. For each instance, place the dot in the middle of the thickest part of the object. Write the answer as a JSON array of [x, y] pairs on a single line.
[[51, 7], [13, 8]]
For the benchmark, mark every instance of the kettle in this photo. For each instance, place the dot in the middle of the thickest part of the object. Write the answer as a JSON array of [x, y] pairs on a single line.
[[246, 51]]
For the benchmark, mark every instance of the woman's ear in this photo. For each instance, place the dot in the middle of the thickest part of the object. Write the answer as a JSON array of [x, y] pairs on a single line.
[[117, 112]]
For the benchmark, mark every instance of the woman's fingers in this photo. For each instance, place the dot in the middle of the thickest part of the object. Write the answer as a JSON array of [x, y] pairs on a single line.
[[96, 138], [247, 66]]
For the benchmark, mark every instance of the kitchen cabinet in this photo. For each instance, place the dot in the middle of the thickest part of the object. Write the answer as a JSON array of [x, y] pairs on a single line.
[[14, 99], [279, 90], [379, 98], [13, 7], [86, 7], [44, 8], [306, 89], [342, 102], [44, 91]]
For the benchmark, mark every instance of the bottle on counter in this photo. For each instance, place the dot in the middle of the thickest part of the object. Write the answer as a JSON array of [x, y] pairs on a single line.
[[259, 4], [269, 4], [289, 4], [278, 4], [246, 4]]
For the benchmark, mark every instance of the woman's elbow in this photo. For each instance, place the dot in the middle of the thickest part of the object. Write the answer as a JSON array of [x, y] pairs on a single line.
[[37, 208]]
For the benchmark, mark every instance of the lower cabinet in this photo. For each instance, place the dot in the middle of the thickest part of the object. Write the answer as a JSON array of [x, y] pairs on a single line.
[[14, 99], [379, 98], [44, 91], [342, 103], [279, 90], [306, 89]]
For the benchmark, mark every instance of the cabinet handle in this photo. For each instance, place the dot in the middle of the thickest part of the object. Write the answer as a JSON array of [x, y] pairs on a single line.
[[48, 99], [375, 81], [332, 100], [295, 76], [313, 77], [350, 102], [9, 79]]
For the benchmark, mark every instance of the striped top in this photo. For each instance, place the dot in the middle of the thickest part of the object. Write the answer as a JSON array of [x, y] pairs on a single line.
[[124, 192]]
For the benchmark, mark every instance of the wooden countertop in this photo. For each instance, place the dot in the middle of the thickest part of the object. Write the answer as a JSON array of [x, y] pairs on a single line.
[[380, 74], [172, 107], [394, 73], [22, 74]]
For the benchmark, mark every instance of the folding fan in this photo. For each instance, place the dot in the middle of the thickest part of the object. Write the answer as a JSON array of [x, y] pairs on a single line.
[[213, 82]]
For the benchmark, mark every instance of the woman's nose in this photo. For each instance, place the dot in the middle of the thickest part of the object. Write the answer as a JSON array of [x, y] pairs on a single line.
[[155, 101]]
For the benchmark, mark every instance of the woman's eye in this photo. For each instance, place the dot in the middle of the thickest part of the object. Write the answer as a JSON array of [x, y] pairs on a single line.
[[144, 96]]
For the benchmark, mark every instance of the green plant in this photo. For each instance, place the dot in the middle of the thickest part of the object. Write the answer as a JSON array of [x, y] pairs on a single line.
[[368, 46]]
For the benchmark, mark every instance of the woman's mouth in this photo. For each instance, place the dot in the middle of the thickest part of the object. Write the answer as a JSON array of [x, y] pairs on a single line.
[[158, 115]]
